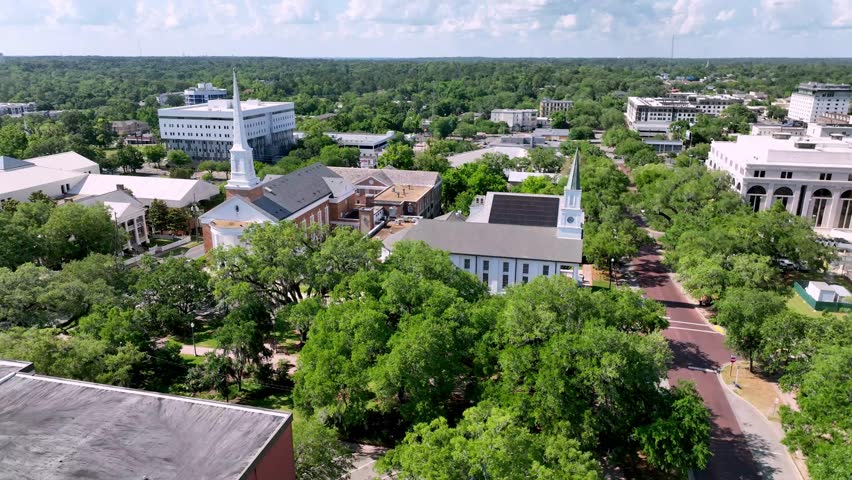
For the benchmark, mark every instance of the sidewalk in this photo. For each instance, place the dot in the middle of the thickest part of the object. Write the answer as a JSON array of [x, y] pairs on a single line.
[[188, 350], [763, 438]]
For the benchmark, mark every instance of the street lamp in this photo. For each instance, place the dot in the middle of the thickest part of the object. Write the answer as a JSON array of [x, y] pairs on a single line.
[[192, 327], [610, 272]]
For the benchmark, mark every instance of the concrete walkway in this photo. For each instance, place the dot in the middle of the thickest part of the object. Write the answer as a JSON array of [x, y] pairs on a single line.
[[201, 351], [763, 439]]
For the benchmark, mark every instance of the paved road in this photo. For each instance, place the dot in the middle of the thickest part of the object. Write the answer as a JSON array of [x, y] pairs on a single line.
[[696, 344]]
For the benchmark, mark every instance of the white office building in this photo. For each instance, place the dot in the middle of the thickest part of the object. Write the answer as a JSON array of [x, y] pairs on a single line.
[[203, 93], [653, 116], [204, 131], [811, 177], [548, 106], [369, 145], [17, 109], [524, 119], [814, 100], [770, 129]]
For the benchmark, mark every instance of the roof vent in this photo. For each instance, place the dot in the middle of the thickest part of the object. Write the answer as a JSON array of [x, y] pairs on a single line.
[[805, 145], [781, 136]]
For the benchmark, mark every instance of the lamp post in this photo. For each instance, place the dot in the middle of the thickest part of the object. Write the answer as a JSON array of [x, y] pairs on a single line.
[[610, 272], [192, 327]]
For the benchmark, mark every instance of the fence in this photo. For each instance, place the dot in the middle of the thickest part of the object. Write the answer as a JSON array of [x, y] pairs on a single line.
[[817, 305]]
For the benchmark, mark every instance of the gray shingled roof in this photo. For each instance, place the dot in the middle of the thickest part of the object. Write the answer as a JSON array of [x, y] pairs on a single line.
[[54, 429], [287, 194], [493, 240]]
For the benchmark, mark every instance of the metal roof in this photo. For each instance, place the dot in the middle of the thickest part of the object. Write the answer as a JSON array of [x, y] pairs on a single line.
[[529, 210], [57, 429], [493, 240], [287, 194]]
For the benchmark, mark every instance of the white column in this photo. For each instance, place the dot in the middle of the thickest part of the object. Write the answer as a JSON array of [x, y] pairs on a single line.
[[806, 205], [770, 192], [834, 210]]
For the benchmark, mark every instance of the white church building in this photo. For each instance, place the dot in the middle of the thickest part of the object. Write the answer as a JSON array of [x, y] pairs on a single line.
[[511, 238]]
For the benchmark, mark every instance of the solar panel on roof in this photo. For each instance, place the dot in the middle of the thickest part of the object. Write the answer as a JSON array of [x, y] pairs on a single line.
[[524, 210]]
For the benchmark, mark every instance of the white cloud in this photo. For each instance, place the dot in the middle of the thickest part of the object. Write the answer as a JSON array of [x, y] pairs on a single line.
[[604, 22], [841, 11], [172, 18], [725, 15], [60, 9], [566, 22], [294, 11], [687, 16]]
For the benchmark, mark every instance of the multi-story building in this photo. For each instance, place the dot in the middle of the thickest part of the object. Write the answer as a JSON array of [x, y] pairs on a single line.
[[368, 144], [524, 119], [205, 131], [124, 128], [17, 109], [770, 129], [548, 106], [203, 93], [814, 100], [653, 116], [314, 195], [811, 177], [510, 238]]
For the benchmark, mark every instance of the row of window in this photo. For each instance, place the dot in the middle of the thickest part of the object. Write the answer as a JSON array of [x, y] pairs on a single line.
[[789, 175], [525, 267]]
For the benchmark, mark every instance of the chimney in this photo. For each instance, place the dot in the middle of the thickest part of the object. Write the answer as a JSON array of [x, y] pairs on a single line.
[[120, 186]]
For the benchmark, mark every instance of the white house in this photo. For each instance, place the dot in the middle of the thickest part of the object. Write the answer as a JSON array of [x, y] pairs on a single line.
[[126, 211], [511, 238], [521, 119]]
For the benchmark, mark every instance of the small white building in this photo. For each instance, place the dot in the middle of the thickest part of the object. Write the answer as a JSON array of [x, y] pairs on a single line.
[[126, 211], [203, 93], [811, 177], [770, 129], [204, 131], [824, 292], [174, 192], [368, 144], [521, 119], [814, 100]]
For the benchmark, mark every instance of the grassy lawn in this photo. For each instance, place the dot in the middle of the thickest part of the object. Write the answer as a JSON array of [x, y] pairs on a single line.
[[159, 242], [798, 305], [756, 390], [192, 359], [204, 333]]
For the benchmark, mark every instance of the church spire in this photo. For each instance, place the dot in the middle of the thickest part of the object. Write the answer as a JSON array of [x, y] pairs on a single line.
[[570, 222], [242, 160], [574, 177]]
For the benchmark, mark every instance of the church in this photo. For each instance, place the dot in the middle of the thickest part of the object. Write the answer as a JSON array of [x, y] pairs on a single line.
[[511, 238]]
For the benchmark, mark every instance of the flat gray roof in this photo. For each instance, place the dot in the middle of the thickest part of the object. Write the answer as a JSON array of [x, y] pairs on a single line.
[[52, 428], [493, 240]]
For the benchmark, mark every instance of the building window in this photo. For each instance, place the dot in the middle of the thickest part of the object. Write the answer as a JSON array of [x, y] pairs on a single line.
[[545, 270], [467, 264], [505, 281], [825, 176], [819, 205], [755, 196], [786, 174], [505, 267], [759, 173], [525, 279], [525, 268], [485, 264], [485, 277]]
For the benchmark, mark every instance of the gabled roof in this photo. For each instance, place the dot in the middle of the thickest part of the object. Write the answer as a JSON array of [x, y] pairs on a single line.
[[388, 176], [67, 161], [174, 191], [11, 163], [119, 202], [287, 194], [529, 210], [55, 428]]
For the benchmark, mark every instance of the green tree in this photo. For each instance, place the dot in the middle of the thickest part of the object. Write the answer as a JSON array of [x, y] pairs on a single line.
[[172, 292], [154, 153], [611, 118], [538, 185], [412, 122], [465, 130], [462, 184], [431, 162], [300, 316], [241, 339], [397, 155], [441, 127], [158, 216], [559, 120], [13, 141], [545, 160], [776, 113], [581, 133], [129, 159], [319, 455], [177, 159], [74, 231], [743, 312], [343, 253]]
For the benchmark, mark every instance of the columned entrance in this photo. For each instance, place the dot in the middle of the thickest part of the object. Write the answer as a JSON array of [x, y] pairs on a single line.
[[820, 202]]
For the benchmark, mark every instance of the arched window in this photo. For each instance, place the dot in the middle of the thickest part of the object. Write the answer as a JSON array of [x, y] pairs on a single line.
[[755, 196], [845, 210], [783, 195], [819, 206]]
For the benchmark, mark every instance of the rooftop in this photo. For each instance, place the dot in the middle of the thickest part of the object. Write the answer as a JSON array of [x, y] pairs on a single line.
[[796, 150], [517, 209], [814, 86], [388, 176], [472, 156], [64, 161], [147, 188], [284, 195], [402, 193], [365, 139], [493, 240], [553, 132], [224, 108], [55, 429]]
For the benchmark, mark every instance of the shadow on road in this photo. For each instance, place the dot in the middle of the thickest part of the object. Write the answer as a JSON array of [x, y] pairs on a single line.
[[688, 353]]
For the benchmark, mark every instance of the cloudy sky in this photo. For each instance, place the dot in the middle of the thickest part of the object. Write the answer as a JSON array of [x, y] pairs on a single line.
[[428, 28]]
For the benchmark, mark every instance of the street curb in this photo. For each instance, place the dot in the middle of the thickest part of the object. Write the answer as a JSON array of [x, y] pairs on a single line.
[[785, 449]]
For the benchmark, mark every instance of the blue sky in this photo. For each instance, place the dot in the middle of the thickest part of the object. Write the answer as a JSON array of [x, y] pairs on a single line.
[[427, 28]]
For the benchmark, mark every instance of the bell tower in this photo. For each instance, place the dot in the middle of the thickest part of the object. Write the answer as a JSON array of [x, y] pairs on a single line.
[[570, 223], [242, 160]]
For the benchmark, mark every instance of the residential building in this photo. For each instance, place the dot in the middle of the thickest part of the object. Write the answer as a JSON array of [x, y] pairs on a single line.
[[369, 145], [58, 428], [316, 194], [126, 211], [16, 109], [124, 128], [524, 119], [811, 177], [203, 93], [813, 100], [548, 106], [770, 129], [511, 238], [70, 174], [551, 134], [652, 116], [204, 131], [664, 146]]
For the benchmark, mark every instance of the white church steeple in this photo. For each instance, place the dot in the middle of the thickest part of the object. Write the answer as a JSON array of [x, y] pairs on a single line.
[[242, 160], [570, 224]]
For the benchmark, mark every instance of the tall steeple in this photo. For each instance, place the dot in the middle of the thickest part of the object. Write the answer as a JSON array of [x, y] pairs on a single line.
[[570, 223], [242, 160]]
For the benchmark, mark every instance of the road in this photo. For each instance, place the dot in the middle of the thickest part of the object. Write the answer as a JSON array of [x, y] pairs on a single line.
[[696, 344]]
